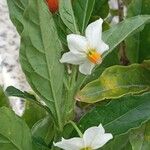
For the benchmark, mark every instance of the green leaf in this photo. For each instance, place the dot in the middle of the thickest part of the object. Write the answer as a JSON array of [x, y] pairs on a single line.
[[122, 30], [138, 45], [34, 108], [39, 56], [117, 81], [139, 138], [44, 129], [16, 10], [12, 91], [14, 133], [118, 143], [3, 98], [101, 8], [61, 29], [33, 113], [119, 116], [38, 144], [83, 10], [67, 15]]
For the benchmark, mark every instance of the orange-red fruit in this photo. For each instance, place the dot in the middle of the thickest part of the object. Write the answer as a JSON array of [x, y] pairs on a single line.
[[53, 5]]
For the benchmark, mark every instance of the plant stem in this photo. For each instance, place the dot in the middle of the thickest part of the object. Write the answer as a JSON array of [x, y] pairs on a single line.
[[73, 76], [77, 129], [122, 47], [120, 10]]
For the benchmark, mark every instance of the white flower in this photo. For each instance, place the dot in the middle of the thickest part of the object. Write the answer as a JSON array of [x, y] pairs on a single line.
[[93, 138], [86, 51]]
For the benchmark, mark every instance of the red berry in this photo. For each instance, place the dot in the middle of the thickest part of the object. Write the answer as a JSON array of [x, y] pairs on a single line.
[[53, 5]]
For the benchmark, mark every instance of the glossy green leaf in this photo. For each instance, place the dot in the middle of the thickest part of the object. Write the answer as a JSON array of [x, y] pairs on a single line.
[[137, 46], [119, 116], [117, 81], [39, 56], [3, 98], [122, 30], [14, 133], [67, 15], [139, 138], [83, 10]]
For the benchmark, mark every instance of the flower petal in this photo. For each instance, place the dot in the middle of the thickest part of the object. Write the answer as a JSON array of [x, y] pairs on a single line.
[[101, 129], [94, 33], [101, 140], [77, 43], [70, 144], [91, 133], [95, 137], [86, 67], [71, 58], [102, 47]]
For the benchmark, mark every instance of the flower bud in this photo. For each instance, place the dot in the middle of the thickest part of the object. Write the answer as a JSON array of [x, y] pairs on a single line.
[[53, 5]]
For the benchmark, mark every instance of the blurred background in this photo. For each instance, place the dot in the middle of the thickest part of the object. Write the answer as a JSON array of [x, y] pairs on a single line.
[[10, 70]]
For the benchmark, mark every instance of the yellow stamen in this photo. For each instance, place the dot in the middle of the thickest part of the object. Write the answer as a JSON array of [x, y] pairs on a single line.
[[94, 56], [86, 148]]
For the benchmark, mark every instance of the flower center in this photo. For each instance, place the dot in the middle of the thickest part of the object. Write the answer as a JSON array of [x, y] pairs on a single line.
[[86, 148], [94, 56]]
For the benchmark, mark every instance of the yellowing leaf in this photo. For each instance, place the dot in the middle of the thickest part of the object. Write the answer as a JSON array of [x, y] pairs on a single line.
[[117, 81]]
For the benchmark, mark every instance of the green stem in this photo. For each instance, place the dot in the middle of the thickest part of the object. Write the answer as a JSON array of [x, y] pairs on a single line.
[[57, 137], [70, 91], [77, 129], [81, 79]]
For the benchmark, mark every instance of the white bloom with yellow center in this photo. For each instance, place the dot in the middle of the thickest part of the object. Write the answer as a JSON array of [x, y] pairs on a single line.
[[86, 51], [93, 138]]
